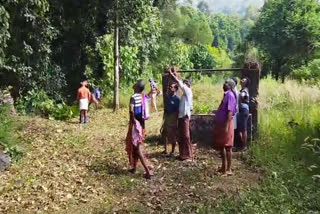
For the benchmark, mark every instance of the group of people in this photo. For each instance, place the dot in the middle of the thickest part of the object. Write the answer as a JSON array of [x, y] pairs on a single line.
[[232, 113]]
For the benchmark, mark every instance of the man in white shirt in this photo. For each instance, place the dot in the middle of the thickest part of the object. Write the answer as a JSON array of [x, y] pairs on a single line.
[[185, 108]]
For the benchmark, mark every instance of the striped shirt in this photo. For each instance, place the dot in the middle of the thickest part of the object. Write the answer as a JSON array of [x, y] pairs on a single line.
[[136, 101]]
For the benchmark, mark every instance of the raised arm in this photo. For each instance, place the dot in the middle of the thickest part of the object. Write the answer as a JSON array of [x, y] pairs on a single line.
[[180, 83]]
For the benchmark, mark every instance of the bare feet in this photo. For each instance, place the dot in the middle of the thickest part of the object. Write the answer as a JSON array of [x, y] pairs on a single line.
[[227, 173], [148, 175], [133, 171], [165, 152], [221, 170]]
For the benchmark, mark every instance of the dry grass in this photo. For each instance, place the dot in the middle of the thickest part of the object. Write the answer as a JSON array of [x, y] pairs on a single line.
[[69, 168]]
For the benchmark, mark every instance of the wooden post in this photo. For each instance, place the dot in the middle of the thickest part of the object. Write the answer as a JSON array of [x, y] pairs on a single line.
[[252, 71], [116, 102]]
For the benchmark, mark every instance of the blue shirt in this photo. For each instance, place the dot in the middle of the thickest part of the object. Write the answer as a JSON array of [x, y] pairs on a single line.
[[97, 93], [172, 103]]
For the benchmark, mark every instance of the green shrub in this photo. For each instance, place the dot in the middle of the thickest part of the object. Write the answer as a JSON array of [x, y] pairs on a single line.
[[39, 103], [309, 73], [8, 137], [202, 109], [64, 112]]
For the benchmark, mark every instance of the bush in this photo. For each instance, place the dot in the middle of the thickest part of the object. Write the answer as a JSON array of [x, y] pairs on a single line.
[[64, 112], [8, 138], [308, 73], [39, 103]]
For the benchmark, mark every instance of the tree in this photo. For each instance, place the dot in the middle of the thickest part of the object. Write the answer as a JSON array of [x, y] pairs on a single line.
[[204, 7], [288, 31], [226, 31], [26, 51]]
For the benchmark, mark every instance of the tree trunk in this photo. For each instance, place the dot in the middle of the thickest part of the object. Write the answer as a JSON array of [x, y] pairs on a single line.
[[116, 61], [277, 69], [283, 76]]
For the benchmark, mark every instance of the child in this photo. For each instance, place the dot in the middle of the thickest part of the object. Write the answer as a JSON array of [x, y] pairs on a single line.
[[154, 92], [83, 96], [96, 97], [136, 132]]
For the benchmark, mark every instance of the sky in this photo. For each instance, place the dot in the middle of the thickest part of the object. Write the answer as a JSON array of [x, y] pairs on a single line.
[[230, 5]]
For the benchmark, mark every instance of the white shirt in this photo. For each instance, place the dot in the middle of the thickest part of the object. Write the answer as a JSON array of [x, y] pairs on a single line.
[[186, 104]]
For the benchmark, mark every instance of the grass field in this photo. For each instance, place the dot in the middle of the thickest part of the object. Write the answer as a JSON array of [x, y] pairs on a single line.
[[68, 168]]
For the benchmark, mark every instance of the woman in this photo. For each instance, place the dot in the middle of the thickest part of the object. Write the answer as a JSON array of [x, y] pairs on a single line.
[[243, 111], [224, 127], [136, 132]]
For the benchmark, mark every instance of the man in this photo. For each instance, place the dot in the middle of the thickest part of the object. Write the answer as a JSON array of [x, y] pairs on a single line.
[[83, 96], [224, 127], [171, 112], [185, 108], [136, 132]]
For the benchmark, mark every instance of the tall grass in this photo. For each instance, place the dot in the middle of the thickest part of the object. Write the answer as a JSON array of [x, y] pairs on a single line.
[[289, 118], [287, 148]]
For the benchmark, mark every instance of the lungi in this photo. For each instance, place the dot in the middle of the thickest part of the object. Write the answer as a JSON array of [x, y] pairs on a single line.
[[185, 146], [222, 138], [170, 127], [83, 104]]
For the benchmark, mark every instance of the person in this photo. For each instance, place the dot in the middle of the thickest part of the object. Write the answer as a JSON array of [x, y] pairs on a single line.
[[96, 97], [83, 96], [236, 93], [224, 130], [136, 132], [243, 111], [171, 118], [185, 108], [154, 92]]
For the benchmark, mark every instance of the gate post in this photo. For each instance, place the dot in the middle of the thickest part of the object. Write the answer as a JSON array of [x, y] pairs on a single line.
[[252, 71]]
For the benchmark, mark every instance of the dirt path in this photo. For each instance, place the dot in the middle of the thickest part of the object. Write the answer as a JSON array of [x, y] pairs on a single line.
[[68, 168]]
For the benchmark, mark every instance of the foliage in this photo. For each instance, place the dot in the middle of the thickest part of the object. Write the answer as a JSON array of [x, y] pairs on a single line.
[[226, 31], [202, 109], [27, 61], [175, 53], [198, 30], [288, 31], [64, 112], [38, 102], [201, 57], [187, 24], [8, 138], [308, 73]]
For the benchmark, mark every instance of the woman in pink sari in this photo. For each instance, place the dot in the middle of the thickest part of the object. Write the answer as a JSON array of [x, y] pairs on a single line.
[[136, 132]]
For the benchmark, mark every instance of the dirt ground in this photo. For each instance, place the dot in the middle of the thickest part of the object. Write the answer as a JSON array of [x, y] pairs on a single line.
[[72, 168]]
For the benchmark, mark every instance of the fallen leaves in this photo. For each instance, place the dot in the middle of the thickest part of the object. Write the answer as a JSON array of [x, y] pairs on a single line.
[[67, 166]]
